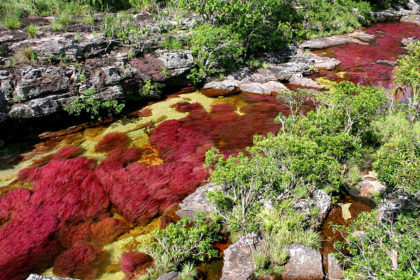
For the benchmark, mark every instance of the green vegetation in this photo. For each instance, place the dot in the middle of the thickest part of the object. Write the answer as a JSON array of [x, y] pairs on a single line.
[[95, 108], [25, 55], [151, 88], [407, 74], [382, 249], [313, 151], [32, 31], [182, 244]]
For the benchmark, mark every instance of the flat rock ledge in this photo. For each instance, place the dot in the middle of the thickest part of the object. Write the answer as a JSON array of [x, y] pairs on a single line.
[[39, 277], [368, 187], [269, 80], [238, 258], [197, 201], [304, 263]]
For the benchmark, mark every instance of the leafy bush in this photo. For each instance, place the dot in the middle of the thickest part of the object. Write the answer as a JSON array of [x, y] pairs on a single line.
[[181, 244], [381, 249], [312, 151], [32, 31], [407, 74], [215, 49], [261, 25], [87, 103], [397, 160], [325, 18]]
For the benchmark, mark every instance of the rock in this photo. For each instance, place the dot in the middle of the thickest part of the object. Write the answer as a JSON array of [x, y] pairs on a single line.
[[388, 209], [283, 72], [334, 270], [173, 275], [36, 108], [299, 80], [387, 15], [318, 199], [386, 62], [327, 42], [197, 201], [111, 76], [304, 263], [220, 88], [40, 81], [238, 258], [176, 62], [408, 41], [268, 88], [364, 37], [322, 62], [39, 277], [368, 187]]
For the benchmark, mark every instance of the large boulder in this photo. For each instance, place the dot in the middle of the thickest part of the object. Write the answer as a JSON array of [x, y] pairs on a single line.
[[335, 272], [238, 258], [299, 80], [332, 41], [368, 187], [304, 263], [197, 201], [220, 88], [269, 88]]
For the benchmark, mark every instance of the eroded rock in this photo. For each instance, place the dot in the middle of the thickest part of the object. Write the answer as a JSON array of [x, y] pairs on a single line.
[[39, 277], [173, 275], [220, 88], [299, 80], [327, 42], [197, 201], [304, 263], [238, 258], [268, 88]]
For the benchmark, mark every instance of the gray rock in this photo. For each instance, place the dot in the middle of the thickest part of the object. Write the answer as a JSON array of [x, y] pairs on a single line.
[[218, 88], [173, 275], [238, 258], [388, 209], [318, 199], [408, 41], [327, 42], [176, 60], [386, 62], [36, 108], [335, 272], [364, 37], [368, 187], [41, 81], [304, 263], [322, 62], [299, 80], [268, 88], [111, 76], [283, 72], [39, 277], [197, 201]]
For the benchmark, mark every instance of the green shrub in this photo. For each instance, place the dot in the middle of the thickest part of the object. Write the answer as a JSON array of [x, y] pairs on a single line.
[[381, 249], [397, 160], [65, 19], [325, 18], [215, 50], [26, 55], [151, 88], [57, 26], [407, 74], [12, 22], [32, 31], [181, 245], [95, 108], [172, 43]]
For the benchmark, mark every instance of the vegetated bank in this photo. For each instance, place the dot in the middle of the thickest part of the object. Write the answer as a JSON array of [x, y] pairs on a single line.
[[105, 61], [316, 154]]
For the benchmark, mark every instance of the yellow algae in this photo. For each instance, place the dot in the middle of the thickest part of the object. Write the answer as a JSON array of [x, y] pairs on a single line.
[[235, 100], [341, 74], [325, 82]]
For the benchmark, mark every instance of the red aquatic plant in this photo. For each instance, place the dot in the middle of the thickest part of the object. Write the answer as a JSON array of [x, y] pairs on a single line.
[[12, 201], [78, 262], [130, 261], [120, 156], [111, 141], [70, 151]]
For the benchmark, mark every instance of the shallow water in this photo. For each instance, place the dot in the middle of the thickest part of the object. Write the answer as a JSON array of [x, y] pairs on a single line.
[[109, 186]]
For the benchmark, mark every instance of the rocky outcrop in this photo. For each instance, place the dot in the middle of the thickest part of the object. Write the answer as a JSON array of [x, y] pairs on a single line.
[[304, 263], [335, 272], [197, 201], [319, 200], [238, 258], [269, 80], [411, 8], [39, 277]]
